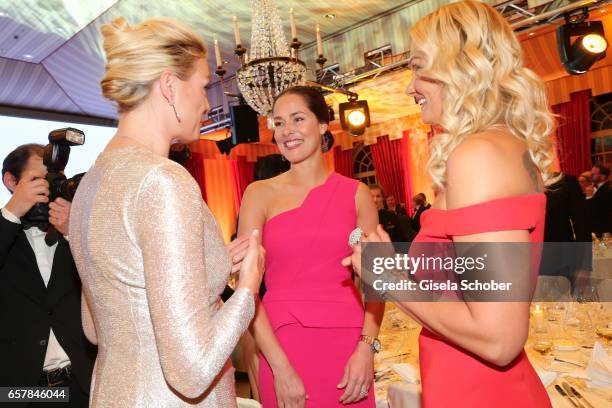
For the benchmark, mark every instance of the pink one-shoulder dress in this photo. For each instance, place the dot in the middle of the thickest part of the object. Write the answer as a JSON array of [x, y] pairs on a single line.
[[312, 304]]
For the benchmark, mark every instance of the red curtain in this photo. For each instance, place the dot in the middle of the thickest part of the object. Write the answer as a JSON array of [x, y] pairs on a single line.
[[435, 129], [405, 151], [574, 133], [195, 167], [387, 156], [343, 161], [242, 172]]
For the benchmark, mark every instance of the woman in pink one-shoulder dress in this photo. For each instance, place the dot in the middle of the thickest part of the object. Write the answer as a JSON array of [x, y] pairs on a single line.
[[316, 339]]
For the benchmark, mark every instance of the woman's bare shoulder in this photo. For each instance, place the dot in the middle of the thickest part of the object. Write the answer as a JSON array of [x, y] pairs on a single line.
[[261, 191], [487, 166]]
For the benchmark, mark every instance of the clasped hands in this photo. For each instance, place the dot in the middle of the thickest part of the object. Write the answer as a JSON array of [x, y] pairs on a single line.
[[248, 256]]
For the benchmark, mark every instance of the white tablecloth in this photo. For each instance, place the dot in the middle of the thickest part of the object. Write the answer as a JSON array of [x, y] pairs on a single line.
[[399, 336]]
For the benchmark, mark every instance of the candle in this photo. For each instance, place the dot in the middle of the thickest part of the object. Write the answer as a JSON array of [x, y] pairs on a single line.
[[538, 319], [319, 41], [292, 19], [217, 53], [236, 31]]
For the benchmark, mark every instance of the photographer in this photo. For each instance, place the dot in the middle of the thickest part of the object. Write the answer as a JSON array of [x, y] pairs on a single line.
[[41, 336]]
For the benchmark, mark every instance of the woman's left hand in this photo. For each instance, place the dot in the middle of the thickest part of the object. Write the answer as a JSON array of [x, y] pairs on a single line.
[[358, 374], [237, 250]]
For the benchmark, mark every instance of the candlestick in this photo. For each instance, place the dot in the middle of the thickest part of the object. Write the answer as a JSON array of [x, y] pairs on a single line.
[[236, 31], [292, 19], [218, 53], [539, 323], [319, 41]]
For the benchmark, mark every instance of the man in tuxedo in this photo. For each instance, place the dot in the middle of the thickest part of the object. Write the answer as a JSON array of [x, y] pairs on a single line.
[[41, 338], [600, 205], [394, 207], [566, 222], [420, 204], [398, 231]]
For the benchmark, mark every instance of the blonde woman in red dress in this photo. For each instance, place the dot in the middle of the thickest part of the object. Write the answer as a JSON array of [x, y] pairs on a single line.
[[489, 168]]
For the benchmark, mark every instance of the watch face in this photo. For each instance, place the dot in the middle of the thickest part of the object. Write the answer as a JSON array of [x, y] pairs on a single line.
[[376, 346]]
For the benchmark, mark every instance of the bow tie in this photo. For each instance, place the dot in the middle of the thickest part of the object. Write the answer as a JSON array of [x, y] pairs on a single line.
[[41, 225], [51, 236]]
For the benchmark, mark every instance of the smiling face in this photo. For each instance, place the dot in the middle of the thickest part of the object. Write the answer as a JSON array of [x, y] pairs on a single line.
[[296, 129], [427, 92]]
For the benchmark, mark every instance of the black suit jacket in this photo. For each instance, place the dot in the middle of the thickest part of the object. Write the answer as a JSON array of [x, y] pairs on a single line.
[[28, 310], [600, 209], [390, 223], [399, 210], [566, 212], [416, 218]]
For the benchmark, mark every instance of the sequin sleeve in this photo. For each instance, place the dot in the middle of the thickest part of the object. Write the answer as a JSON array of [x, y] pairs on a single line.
[[193, 342], [87, 319]]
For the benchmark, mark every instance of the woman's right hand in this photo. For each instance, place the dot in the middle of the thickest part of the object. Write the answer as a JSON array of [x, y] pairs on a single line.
[[252, 267], [290, 392]]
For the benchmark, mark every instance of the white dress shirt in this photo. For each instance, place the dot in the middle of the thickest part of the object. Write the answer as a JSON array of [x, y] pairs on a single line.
[[56, 357]]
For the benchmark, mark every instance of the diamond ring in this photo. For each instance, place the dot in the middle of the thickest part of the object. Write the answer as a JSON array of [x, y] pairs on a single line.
[[363, 392], [355, 237]]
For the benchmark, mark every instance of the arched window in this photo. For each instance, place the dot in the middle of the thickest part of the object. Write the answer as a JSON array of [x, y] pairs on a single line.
[[601, 129], [363, 164]]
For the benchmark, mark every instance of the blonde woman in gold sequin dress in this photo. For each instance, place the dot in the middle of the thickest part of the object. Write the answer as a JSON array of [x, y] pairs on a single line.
[[148, 250]]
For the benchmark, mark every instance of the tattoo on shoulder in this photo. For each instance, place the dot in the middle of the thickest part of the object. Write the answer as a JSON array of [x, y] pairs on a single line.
[[533, 171]]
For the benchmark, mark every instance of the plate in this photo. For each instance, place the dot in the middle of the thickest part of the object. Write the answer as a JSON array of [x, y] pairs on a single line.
[[566, 345], [605, 332]]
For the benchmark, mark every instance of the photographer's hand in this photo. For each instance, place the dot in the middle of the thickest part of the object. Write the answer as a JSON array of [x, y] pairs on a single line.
[[31, 189], [59, 215]]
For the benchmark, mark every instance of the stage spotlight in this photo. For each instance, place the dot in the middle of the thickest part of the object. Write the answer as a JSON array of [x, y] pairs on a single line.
[[589, 46], [354, 116]]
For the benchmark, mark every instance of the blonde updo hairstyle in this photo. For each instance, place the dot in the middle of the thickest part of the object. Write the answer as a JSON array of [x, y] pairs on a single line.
[[137, 56], [471, 49]]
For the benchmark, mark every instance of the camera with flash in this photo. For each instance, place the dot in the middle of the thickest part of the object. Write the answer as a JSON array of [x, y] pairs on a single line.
[[55, 159]]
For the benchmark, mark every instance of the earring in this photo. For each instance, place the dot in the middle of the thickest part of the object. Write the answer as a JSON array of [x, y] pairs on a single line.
[[325, 142], [178, 118]]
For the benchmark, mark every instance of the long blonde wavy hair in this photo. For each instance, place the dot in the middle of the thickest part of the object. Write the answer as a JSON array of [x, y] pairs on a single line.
[[137, 56], [471, 49]]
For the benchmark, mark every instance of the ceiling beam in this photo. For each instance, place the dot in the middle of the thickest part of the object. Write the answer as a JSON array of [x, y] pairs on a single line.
[[29, 113]]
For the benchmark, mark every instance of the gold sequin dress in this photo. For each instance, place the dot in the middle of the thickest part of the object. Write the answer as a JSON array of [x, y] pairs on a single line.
[[153, 265]]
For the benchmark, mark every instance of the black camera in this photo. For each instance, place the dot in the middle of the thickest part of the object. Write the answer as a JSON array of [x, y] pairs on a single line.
[[55, 159]]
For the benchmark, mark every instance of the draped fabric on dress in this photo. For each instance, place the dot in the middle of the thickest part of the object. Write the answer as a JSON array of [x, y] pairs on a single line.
[[313, 306]]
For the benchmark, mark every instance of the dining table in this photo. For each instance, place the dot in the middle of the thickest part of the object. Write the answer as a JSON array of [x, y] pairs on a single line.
[[562, 340]]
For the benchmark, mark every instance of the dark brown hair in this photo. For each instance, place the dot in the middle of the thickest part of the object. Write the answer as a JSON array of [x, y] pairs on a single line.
[[16, 160]]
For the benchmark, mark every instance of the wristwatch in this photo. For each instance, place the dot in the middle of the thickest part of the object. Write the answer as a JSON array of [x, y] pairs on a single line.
[[373, 342]]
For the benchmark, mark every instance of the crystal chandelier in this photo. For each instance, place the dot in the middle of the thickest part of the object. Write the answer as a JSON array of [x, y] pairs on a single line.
[[271, 67]]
